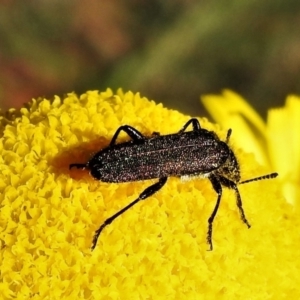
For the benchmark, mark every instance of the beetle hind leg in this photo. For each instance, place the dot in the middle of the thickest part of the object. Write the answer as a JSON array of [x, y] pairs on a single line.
[[145, 194], [132, 132], [78, 166]]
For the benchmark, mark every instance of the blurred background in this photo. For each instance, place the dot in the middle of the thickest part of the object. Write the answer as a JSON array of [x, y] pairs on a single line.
[[172, 51]]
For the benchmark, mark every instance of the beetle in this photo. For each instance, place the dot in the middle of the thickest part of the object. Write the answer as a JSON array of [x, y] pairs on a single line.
[[185, 154]]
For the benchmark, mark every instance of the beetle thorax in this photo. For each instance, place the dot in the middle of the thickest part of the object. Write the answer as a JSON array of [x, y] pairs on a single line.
[[230, 169]]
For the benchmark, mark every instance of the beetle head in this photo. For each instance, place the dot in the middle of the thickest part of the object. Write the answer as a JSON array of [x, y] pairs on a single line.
[[230, 169]]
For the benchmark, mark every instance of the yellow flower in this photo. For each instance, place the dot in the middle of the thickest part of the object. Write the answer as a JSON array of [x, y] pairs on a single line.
[[276, 143], [157, 249]]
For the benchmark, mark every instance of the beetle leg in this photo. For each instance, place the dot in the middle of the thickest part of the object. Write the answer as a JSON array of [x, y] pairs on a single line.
[[230, 184], [155, 133], [240, 205], [78, 166], [132, 132], [149, 191], [195, 123], [218, 188]]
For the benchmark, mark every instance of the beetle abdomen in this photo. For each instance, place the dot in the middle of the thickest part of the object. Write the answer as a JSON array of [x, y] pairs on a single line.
[[189, 153]]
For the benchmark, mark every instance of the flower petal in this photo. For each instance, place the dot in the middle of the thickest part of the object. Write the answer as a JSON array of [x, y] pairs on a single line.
[[232, 111]]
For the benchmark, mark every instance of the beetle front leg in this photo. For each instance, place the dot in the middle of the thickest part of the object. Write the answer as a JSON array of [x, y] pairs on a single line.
[[132, 132], [231, 185], [149, 191], [195, 123]]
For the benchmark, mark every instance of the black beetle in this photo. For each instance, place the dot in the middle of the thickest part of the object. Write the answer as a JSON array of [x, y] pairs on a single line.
[[184, 154]]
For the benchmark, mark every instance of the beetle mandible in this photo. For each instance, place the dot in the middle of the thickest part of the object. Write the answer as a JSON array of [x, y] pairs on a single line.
[[198, 152]]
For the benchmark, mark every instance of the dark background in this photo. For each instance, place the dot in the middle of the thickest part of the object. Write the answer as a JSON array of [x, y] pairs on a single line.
[[172, 51]]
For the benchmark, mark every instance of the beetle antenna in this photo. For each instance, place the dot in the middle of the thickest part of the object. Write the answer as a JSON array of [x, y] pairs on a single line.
[[228, 135], [268, 176]]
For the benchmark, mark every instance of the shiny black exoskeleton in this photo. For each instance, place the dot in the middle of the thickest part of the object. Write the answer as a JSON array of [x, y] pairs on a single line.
[[184, 154]]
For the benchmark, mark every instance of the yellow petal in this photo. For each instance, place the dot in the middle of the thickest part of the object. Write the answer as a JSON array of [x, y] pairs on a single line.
[[157, 249], [284, 145], [249, 131]]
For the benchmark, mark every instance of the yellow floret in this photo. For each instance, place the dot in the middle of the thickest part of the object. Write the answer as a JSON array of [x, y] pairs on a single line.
[[157, 249]]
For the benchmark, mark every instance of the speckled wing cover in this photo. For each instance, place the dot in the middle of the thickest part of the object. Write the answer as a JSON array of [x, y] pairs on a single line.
[[189, 153]]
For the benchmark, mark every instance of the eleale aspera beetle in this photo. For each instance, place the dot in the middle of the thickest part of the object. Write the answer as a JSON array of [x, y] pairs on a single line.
[[198, 152]]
